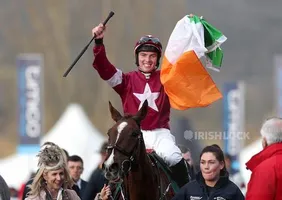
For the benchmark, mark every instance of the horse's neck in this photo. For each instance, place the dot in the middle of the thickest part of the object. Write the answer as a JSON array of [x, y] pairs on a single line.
[[141, 181], [144, 164]]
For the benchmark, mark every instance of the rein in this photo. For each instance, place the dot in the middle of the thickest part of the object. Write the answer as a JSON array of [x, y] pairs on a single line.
[[132, 160], [130, 155], [121, 189]]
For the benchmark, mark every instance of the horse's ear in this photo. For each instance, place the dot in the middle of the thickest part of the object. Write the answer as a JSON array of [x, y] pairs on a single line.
[[115, 114], [141, 114]]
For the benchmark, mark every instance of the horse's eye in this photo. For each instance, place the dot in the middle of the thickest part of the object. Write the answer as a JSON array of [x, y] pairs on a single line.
[[135, 133]]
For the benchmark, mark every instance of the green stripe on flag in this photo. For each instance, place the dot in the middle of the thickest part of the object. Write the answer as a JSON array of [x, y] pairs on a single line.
[[212, 35], [213, 39], [215, 57], [194, 19]]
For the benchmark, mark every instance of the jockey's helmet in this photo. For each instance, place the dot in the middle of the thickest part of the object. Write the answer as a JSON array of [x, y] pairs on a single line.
[[148, 43]]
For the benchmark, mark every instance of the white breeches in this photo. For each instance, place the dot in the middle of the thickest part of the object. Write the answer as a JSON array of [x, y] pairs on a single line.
[[163, 143]]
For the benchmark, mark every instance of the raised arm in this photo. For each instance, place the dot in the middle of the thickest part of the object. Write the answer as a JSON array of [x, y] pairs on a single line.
[[107, 71]]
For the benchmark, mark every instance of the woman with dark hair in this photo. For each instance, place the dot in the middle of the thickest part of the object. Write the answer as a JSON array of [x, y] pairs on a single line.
[[212, 182]]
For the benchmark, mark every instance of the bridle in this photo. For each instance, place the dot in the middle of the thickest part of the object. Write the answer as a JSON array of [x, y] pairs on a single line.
[[131, 155], [132, 159]]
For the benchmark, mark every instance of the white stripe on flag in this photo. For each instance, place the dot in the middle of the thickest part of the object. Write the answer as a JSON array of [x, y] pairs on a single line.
[[186, 36]]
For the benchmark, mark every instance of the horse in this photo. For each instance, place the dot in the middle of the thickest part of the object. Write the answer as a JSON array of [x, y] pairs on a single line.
[[129, 165]]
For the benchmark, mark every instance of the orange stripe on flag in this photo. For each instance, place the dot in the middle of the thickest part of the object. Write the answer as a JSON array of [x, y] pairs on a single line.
[[187, 83]]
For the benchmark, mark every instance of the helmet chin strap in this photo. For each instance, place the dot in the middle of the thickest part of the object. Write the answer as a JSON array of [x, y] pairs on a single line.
[[148, 74]]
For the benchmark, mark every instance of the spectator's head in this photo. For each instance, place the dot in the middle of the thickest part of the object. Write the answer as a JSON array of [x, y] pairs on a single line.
[[75, 165], [186, 154], [271, 131], [212, 164], [52, 173]]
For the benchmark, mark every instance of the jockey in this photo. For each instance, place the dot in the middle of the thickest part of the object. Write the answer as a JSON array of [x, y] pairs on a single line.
[[137, 86]]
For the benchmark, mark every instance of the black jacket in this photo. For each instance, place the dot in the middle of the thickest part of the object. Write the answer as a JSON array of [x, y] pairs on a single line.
[[95, 184], [198, 190], [83, 187]]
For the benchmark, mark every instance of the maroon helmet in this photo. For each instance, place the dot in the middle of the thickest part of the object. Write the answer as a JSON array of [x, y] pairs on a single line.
[[148, 43]]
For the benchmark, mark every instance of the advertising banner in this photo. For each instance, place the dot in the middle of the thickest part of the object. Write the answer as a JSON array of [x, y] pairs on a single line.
[[29, 67]]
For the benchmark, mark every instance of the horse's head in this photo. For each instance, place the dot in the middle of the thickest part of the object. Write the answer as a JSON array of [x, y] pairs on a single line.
[[125, 140]]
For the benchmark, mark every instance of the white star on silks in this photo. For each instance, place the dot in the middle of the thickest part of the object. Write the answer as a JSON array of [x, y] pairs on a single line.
[[151, 97]]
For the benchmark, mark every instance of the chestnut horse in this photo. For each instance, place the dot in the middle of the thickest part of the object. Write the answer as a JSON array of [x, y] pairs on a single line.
[[128, 164]]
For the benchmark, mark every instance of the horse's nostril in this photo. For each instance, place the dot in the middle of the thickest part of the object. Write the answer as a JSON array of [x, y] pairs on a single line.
[[113, 167]]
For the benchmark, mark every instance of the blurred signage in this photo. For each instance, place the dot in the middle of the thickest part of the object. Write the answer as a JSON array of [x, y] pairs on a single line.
[[234, 119], [278, 75], [30, 114]]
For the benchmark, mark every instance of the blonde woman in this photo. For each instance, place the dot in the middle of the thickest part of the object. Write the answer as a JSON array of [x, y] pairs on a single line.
[[52, 181]]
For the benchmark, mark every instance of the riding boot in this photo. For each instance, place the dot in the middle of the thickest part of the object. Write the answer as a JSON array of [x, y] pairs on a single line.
[[180, 173]]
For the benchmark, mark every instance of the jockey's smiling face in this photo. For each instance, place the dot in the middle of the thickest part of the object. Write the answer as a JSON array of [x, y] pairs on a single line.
[[147, 61]]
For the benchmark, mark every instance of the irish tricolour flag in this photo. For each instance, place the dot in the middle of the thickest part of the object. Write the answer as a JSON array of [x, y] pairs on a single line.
[[194, 46]]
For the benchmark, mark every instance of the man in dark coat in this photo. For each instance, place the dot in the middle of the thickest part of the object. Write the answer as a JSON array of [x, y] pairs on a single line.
[[75, 166], [97, 179]]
